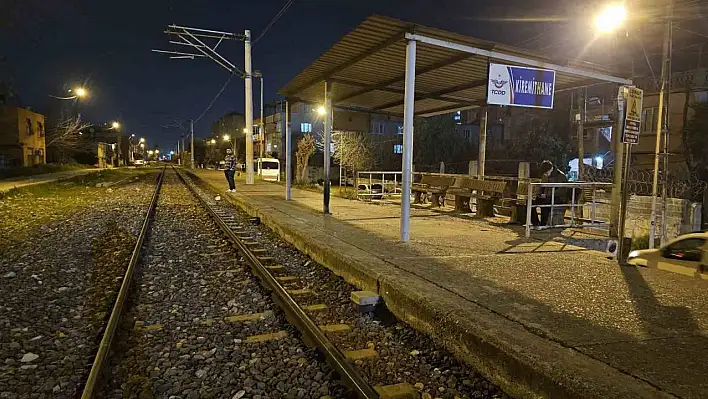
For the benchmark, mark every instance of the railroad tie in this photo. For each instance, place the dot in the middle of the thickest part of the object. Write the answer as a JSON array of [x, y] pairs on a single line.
[[286, 279], [276, 268], [304, 291], [315, 308], [358, 354], [140, 325], [248, 317], [397, 391], [335, 328], [267, 337]]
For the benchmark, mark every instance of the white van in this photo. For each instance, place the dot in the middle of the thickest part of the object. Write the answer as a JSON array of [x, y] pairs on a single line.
[[268, 169]]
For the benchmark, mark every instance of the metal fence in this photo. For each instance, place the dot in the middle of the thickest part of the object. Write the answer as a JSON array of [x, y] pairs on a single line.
[[639, 182], [582, 195], [377, 185]]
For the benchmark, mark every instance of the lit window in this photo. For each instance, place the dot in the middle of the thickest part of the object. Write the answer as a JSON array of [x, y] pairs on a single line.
[[399, 128], [306, 127], [458, 116], [377, 128], [398, 148]]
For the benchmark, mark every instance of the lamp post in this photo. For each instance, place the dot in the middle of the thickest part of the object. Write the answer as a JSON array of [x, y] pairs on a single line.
[[261, 128]]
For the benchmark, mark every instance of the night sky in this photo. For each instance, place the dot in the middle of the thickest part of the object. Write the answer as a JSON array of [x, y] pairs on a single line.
[[52, 45]]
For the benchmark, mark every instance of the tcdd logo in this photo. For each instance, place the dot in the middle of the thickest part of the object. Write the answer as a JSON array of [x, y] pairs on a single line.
[[499, 84]]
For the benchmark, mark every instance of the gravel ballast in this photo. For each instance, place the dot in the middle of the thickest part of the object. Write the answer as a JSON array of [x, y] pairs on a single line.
[[58, 282]]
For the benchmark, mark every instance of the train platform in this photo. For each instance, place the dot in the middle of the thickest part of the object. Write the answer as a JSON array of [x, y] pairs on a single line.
[[537, 317]]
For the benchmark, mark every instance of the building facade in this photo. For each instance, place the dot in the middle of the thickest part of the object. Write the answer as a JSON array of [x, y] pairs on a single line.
[[22, 137]]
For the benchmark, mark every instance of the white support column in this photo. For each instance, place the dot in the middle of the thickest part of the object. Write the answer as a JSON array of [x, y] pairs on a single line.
[[288, 153], [249, 109], [407, 167], [482, 143], [327, 143]]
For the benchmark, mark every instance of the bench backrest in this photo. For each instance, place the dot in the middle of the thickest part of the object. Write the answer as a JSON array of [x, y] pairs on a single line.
[[437, 181], [489, 186]]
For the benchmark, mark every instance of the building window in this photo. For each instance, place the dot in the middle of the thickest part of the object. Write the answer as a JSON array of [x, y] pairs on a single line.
[[308, 109], [30, 132], [377, 128], [306, 127], [467, 133], [278, 127], [649, 119], [399, 128], [40, 129], [457, 116], [398, 148]]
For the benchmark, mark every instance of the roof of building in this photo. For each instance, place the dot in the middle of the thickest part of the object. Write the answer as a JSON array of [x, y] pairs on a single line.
[[367, 69]]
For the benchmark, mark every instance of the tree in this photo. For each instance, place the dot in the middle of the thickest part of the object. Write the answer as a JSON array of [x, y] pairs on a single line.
[[305, 149], [352, 150], [65, 138], [436, 139], [695, 136], [546, 137]]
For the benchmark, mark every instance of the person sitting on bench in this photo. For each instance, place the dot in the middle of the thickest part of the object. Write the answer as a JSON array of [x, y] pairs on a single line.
[[549, 174]]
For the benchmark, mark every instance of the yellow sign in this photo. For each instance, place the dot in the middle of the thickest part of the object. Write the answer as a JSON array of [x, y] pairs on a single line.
[[633, 114]]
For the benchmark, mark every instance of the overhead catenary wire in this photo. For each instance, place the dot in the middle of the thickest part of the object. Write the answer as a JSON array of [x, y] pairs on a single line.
[[274, 20], [215, 98]]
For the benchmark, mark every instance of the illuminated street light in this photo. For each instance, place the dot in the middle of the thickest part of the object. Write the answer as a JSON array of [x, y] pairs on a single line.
[[142, 145], [142, 139], [157, 151], [226, 137], [115, 125], [611, 18], [213, 141], [172, 153], [150, 152], [321, 110], [80, 92]]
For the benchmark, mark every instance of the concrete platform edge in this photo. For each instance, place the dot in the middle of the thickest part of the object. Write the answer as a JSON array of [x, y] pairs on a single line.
[[523, 364]]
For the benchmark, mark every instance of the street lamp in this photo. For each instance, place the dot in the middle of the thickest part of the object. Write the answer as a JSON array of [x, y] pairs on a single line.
[[213, 141], [611, 18], [226, 137], [321, 110], [80, 92], [115, 125], [142, 139]]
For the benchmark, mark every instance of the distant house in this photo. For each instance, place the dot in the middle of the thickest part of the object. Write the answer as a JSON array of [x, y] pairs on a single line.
[[22, 137]]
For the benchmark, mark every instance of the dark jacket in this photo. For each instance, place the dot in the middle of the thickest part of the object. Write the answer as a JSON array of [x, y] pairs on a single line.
[[556, 176]]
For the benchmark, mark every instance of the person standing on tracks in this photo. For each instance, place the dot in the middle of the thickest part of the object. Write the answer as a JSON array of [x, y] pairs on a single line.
[[230, 169]]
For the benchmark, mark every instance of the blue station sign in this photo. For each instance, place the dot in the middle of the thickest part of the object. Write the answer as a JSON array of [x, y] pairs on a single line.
[[520, 86]]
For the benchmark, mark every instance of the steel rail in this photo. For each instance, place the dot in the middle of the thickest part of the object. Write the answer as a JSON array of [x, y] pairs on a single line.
[[293, 312], [113, 322]]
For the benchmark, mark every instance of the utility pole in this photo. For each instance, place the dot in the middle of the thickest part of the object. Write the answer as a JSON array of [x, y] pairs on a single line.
[[262, 128], [249, 107], [191, 129], [327, 143], [665, 76]]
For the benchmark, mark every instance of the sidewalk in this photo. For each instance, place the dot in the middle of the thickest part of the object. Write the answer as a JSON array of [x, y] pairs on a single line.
[[17, 182], [537, 318]]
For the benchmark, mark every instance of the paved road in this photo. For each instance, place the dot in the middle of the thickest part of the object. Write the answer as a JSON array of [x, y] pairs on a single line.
[[645, 323], [17, 182]]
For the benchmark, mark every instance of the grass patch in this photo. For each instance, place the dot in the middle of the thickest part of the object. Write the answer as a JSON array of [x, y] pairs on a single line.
[[39, 170], [640, 242]]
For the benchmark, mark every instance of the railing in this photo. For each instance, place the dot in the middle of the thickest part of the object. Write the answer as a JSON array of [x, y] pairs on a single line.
[[578, 199], [372, 185]]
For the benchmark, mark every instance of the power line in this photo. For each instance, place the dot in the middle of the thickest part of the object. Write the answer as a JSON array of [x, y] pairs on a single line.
[[215, 98], [274, 20]]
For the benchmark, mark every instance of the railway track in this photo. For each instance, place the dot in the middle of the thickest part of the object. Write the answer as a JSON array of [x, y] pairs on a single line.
[[158, 343]]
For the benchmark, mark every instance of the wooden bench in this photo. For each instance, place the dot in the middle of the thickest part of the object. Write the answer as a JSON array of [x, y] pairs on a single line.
[[486, 192], [434, 186]]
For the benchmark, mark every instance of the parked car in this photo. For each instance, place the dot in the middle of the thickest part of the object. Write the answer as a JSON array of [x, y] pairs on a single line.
[[687, 254], [139, 162]]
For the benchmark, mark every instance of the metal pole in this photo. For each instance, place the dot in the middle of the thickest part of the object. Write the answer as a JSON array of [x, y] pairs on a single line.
[[667, 136], [288, 154], [623, 215], [581, 136], [327, 143], [263, 132], [191, 129], [407, 167], [529, 209], [179, 154], [619, 161], [249, 108], [482, 144], [665, 65]]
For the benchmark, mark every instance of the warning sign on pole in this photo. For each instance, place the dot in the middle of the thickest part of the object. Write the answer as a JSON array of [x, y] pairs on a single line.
[[633, 116]]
